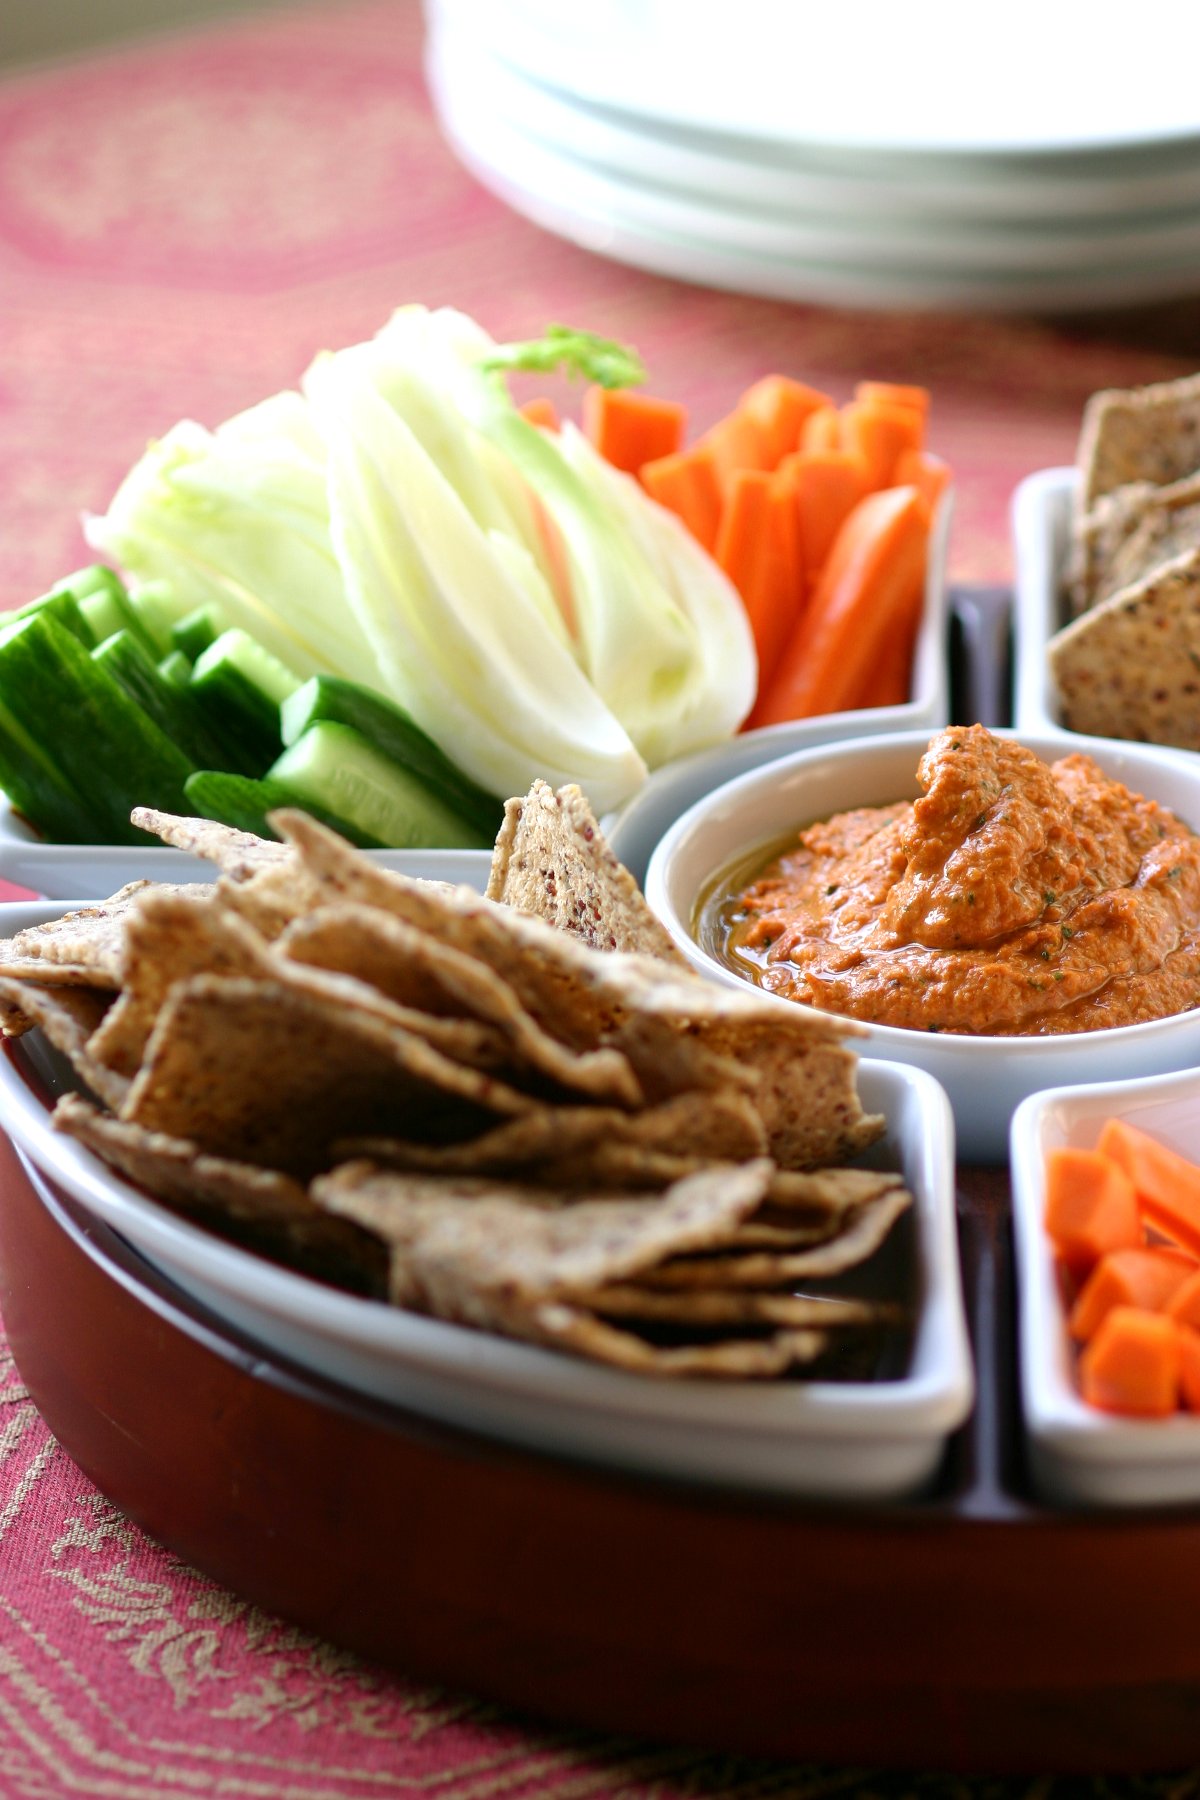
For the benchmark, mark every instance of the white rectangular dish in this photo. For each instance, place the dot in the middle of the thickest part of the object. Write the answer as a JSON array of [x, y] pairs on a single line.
[[92, 871], [1077, 1452], [849, 1440], [1041, 522]]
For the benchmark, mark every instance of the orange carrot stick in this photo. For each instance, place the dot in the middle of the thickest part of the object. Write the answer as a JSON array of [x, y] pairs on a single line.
[[688, 484], [1167, 1184], [737, 442], [827, 484], [822, 430], [880, 430], [1132, 1365], [629, 429], [556, 562], [1147, 1275], [893, 393], [541, 411], [1091, 1207], [779, 406], [871, 586], [890, 681], [758, 548], [925, 471]]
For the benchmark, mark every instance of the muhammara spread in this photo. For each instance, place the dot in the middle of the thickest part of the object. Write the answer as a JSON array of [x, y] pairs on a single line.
[[1014, 897]]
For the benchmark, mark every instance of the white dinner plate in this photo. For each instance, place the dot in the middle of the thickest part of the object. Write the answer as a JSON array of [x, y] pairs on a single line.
[[471, 110], [727, 248], [1028, 208], [894, 80], [843, 1440]]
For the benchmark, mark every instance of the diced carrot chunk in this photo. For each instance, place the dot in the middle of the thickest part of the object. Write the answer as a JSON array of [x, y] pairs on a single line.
[[1189, 1368], [1133, 1364], [1147, 1275], [1184, 1304], [1167, 1184], [1090, 1206]]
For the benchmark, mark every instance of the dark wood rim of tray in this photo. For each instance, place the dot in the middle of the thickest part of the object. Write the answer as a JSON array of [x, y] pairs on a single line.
[[969, 1629]]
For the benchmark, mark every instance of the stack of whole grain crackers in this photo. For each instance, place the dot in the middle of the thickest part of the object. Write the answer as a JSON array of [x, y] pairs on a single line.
[[518, 1111], [1128, 665]]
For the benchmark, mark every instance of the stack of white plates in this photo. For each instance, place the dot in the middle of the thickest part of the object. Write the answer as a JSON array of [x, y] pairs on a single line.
[[882, 156]]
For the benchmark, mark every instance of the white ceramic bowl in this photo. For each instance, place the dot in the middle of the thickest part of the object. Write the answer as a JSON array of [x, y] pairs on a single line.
[[833, 1440], [1078, 1453], [985, 1077]]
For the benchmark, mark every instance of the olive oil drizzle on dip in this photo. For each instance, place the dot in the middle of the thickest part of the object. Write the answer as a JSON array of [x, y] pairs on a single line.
[[1013, 897]]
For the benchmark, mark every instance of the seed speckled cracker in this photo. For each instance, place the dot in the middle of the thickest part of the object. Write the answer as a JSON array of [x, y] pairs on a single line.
[[1130, 667], [1139, 434]]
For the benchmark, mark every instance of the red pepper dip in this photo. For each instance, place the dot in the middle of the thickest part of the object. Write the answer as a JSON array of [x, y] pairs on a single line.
[[1014, 897]]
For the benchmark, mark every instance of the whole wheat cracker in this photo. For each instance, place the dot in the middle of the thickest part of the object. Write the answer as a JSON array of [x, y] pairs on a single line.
[[1130, 667]]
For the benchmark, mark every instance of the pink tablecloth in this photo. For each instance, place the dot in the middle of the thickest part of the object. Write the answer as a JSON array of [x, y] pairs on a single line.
[[181, 226]]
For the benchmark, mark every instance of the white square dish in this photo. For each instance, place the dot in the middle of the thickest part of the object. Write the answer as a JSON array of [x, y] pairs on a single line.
[[1077, 1452], [1041, 521], [837, 1440], [94, 871]]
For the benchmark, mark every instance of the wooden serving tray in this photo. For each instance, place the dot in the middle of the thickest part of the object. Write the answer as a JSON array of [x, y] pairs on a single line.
[[971, 1629]]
